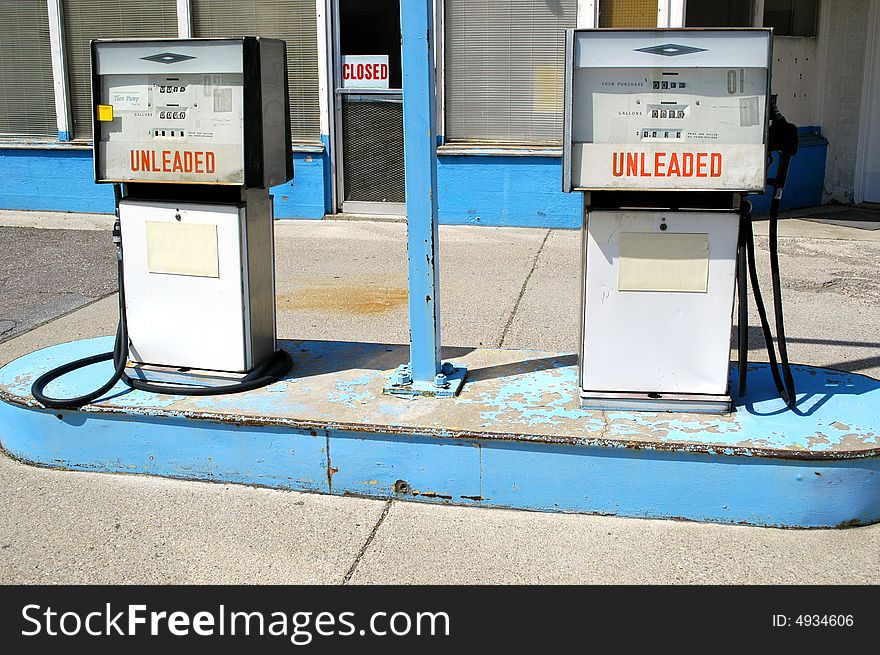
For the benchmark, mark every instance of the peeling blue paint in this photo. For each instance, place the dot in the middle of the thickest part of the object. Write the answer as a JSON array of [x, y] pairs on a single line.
[[515, 440], [353, 390]]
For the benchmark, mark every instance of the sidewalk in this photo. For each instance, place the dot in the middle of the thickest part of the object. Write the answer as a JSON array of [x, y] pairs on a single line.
[[345, 280]]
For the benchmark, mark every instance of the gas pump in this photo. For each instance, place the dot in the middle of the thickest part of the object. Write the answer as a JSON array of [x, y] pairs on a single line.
[[666, 132], [191, 133]]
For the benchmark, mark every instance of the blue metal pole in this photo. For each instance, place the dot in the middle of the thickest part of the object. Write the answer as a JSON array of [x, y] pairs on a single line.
[[420, 155], [425, 375]]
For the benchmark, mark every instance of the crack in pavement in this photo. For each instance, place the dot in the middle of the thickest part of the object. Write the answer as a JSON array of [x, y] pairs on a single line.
[[363, 550], [522, 291]]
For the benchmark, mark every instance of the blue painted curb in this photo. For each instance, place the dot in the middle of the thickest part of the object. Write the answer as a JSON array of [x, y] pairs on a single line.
[[832, 481]]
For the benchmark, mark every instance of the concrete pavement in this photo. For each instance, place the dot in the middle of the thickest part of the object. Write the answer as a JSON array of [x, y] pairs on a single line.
[[346, 281]]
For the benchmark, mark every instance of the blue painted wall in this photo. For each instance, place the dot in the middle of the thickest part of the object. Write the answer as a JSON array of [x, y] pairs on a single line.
[[518, 191], [473, 189], [307, 195], [54, 179], [61, 179]]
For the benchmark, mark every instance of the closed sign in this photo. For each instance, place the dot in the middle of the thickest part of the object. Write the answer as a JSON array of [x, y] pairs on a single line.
[[365, 71]]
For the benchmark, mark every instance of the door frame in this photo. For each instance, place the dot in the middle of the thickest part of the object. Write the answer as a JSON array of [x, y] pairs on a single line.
[[336, 95]]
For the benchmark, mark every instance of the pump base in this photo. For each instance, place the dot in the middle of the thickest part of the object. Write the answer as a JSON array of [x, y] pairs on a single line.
[[188, 377], [695, 403], [514, 437]]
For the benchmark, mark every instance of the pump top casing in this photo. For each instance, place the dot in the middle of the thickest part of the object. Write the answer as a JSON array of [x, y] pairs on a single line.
[[191, 111], [666, 110]]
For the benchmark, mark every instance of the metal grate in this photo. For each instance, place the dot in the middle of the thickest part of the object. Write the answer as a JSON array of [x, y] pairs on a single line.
[[372, 150], [628, 13]]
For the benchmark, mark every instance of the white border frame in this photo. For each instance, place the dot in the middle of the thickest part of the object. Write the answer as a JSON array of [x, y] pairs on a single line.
[[184, 19], [670, 13], [587, 14], [59, 71]]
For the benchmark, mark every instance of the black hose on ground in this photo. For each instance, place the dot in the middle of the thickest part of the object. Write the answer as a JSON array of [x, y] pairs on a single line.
[[271, 371]]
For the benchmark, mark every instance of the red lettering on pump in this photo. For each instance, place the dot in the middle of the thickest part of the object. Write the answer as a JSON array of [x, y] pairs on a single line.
[[666, 164], [659, 164], [645, 172], [172, 161], [632, 167], [617, 170], [701, 164], [687, 164], [715, 164]]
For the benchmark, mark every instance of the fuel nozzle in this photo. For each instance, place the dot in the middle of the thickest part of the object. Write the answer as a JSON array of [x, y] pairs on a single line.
[[783, 138], [117, 238]]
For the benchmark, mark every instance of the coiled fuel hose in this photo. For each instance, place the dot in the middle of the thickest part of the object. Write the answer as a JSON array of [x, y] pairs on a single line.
[[271, 371]]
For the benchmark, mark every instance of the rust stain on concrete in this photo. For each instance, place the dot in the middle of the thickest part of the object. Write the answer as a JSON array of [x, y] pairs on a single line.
[[347, 299]]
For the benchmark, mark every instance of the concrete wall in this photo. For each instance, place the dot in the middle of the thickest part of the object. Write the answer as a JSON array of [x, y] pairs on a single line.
[[794, 78], [841, 56]]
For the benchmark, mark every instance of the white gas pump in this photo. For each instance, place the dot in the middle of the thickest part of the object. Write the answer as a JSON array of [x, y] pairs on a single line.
[[665, 132], [191, 133]]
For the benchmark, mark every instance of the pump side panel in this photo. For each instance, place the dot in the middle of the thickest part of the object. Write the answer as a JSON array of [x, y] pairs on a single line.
[[192, 314], [658, 301]]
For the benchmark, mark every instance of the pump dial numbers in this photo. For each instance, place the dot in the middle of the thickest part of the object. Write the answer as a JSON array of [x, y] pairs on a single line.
[[736, 81], [675, 112], [173, 114], [663, 134], [662, 85], [172, 89]]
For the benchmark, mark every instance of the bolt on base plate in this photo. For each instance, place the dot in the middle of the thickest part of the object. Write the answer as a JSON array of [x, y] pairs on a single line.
[[445, 384]]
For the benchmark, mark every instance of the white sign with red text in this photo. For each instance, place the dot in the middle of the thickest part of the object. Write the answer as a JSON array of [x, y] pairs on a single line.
[[665, 166], [365, 71]]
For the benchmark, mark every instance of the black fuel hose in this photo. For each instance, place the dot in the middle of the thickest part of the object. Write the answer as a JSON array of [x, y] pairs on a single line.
[[270, 371], [783, 139], [784, 381]]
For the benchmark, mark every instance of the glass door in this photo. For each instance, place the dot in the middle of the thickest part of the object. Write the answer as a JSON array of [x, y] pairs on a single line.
[[369, 108]]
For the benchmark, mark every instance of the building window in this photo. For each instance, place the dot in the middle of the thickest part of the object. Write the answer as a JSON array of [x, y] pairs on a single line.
[[504, 65], [85, 20], [628, 13], [27, 104], [791, 17], [294, 21], [719, 13]]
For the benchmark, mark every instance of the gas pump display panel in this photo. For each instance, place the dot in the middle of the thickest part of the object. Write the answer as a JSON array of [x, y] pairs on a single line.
[[666, 109], [203, 111]]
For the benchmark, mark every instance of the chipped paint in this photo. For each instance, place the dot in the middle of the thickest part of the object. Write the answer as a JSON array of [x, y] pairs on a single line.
[[513, 395], [516, 437]]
